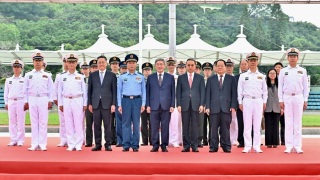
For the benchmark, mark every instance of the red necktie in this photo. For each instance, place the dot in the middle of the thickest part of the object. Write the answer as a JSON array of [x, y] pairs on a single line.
[[190, 80]]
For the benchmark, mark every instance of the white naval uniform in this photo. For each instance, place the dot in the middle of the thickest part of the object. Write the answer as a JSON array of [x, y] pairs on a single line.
[[38, 90], [252, 93], [14, 99], [175, 125], [293, 91], [62, 123], [72, 92], [234, 128]]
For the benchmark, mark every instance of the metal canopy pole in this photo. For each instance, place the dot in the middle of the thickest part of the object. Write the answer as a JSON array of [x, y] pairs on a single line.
[[140, 38], [172, 30]]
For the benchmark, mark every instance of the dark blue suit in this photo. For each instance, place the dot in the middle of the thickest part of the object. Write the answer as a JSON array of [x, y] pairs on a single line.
[[160, 98], [219, 101]]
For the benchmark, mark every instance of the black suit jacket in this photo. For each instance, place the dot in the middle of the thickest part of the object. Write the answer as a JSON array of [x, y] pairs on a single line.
[[107, 90], [197, 92], [163, 95], [221, 99]]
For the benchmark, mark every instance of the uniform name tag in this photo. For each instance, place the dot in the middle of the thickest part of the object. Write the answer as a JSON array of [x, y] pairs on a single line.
[[300, 72], [286, 73], [45, 76], [247, 78], [138, 78], [30, 77], [259, 77], [64, 79], [21, 81], [77, 78], [125, 79], [10, 82]]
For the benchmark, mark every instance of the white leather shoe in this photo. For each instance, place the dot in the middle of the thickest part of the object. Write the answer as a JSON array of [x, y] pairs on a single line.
[[34, 148], [246, 150], [78, 149], [258, 151], [20, 144], [12, 144], [176, 145], [288, 150], [62, 145], [69, 149], [299, 151]]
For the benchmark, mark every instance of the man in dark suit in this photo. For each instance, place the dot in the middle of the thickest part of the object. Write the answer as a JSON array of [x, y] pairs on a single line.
[[190, 101], [102, 95], [221, 100], [160, 103], [243, 68]]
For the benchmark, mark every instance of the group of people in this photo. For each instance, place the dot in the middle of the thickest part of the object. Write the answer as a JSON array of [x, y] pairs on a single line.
[[191, 110]]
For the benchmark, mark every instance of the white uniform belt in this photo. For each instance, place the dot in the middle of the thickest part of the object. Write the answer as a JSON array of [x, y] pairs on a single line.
[[72, 97], [293, 94], [39, 95], [16, 99], [252, 97]]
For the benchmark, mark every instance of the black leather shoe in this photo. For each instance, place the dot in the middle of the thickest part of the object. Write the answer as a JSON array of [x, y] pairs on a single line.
[[213, 150], [108, 148], [282, 144], [164, 149], [88, 145], [200, 145], [205, 143], [154, 149], [195, 150], [185, 150], [113, 143], [125, 150], [119, 145], [135, 150], [240, 146], [143, 144], [227, 150], [96, 149]]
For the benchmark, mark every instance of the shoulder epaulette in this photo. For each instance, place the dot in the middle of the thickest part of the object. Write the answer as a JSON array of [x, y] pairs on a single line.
[[123, 73], [47, 71], [262, 72], [63, 72], [140, 73]]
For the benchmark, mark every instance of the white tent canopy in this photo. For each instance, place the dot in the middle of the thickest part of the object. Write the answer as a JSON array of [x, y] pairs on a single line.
[[196, 48], [151, 48]]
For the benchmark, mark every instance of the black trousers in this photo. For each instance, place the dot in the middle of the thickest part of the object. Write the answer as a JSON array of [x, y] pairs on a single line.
[[102, 115], [200, 127], [282, 127], [113, 129], [145, 127], [220, 122], [160, 118], [272, 128], [190, 124], [206, 122], [89, 123], [240, 127]]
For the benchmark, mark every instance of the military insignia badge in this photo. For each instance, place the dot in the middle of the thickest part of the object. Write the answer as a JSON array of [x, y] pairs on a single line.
[[71, 55], [246, 78], [114, 58], [286, 73], [77, 78], [125, 79], [300, 72], [95, 62], [44, 76], [64, 79], [293, 50], [131, 56], [16, 62], [10, 82], [21, 81], [138, 78], [147, 64], [259, 77], [30, 77], [38, 54]]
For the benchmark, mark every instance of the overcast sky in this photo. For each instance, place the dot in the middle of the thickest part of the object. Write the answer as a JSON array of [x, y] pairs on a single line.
[[303, 12]]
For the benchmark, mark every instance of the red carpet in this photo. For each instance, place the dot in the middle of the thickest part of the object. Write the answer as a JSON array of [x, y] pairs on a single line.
[[57, 163]]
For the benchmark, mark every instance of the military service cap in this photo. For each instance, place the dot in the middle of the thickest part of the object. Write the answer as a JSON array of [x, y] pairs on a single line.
[[147, 66], [181, 64], [123, 64], [198, 64], [114, 60], [253, 55], [131, 57], [93, 62], [37, 56], [84, 65], [293, 52], [72, 57], [17, 63], [207, 65], [171, 60], [229, 62]]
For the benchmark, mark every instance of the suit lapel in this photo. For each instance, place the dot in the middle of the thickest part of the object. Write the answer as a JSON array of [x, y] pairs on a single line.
[[104, 78]]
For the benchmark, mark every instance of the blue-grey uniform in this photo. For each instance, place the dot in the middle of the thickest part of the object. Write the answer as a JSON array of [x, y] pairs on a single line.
[[131, 96]]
